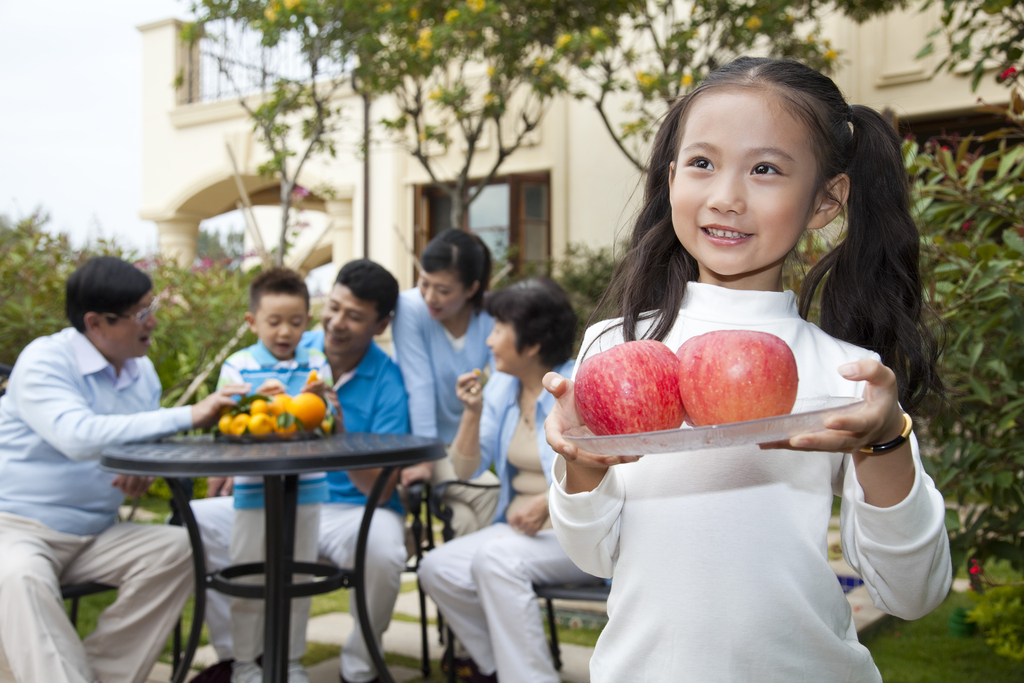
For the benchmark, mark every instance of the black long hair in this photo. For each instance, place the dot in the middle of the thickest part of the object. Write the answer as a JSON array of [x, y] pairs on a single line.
[[871, 293], [464, 253]]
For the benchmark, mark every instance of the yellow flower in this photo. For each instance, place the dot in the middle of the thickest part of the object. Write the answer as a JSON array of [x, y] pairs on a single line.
[[435, 94], [475, 5], [539, 62], [270, 13], [451, 15], [645, 79], [754, 23], [414, 14], [686, 80], [595, 32], [489, 98], [831, 55], [291, 4], [386, 7], [490, 72], [424, 42], [562, 41]]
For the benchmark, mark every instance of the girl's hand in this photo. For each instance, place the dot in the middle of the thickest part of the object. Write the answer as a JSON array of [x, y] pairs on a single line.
[[563, 417], [318, 387], [529, 519], [467, 388], [880, 418]]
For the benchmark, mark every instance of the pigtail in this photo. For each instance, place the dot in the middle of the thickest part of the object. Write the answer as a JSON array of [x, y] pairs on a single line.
[[650, 281], [872, 296]]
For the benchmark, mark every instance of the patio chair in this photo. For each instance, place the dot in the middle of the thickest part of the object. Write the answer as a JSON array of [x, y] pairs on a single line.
[[75, 592], [414, 500], [596, 592]]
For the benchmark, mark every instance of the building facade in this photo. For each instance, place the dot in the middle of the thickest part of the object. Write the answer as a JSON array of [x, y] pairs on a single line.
[[568, 184]]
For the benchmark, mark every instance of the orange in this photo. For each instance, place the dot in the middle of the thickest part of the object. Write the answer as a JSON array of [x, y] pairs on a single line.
[[309, 408], [279, 404], [259, 407], [239, 423], [261, 424], [312, 377], [327, 426], [224, 425]]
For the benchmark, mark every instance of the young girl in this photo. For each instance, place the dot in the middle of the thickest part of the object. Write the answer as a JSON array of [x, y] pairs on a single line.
[[719, 558]]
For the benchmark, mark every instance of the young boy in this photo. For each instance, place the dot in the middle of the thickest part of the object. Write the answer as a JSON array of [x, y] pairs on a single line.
[[278, 314]]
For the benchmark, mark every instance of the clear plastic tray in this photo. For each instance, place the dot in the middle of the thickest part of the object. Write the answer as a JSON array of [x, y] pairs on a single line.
[[809, 415]]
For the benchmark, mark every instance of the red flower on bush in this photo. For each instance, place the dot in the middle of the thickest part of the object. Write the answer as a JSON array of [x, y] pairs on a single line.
[[1008, 74]]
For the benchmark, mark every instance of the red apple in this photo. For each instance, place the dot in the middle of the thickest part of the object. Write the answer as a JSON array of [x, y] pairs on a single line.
[[630, 388], [736, 375]]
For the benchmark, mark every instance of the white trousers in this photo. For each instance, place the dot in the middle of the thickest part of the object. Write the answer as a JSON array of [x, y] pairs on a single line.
[[482, 584], [249, 544], [339, 527], [150, 564]]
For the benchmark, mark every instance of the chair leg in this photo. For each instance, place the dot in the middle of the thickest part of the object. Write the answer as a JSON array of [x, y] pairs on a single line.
[[556, 653], [176, 656], [423, 633], [449, 655], [74, 613]]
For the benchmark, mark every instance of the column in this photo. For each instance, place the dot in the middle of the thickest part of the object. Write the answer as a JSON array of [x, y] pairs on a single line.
[[178, 238]]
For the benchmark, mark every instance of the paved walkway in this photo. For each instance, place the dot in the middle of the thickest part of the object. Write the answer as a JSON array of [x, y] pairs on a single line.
[[403, 637]]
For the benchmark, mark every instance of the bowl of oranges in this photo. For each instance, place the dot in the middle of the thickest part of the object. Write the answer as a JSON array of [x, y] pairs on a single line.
[[276, 418]]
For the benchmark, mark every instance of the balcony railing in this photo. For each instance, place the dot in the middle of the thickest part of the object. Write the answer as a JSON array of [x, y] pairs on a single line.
[[231, 62]]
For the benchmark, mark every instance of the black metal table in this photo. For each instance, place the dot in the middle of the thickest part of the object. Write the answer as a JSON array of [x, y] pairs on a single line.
[[280, 464]]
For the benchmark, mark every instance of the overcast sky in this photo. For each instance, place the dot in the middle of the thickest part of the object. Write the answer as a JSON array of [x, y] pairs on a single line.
[[70, 114]]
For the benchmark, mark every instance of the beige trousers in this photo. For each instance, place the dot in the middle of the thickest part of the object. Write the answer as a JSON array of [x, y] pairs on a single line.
[[150, 564], [249, 544], [472, 508]]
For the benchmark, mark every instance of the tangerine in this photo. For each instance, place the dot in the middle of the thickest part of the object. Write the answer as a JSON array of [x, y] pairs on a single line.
[[309, 408], [259, 407], [279, 404], [224, 424], [239, 423], [261, 423]]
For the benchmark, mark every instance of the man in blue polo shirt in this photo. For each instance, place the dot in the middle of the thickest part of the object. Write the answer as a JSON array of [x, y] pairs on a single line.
[[369, 394], [70, 395]]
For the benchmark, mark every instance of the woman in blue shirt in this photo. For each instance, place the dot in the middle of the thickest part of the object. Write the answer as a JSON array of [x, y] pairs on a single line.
[[440, 331], [482, 583]]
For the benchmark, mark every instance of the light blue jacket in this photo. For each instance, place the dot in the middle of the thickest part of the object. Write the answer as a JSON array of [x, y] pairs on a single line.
[[63, 406], [430, 365], [498, 423]]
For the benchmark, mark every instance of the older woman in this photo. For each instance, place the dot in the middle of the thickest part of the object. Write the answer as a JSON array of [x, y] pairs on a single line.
[[482, 582]]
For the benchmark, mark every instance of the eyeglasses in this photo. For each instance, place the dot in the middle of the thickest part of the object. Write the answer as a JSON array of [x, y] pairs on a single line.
[[140, 318]]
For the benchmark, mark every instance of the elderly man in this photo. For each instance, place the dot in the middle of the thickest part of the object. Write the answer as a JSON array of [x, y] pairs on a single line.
[[369, 394], [70, 395]]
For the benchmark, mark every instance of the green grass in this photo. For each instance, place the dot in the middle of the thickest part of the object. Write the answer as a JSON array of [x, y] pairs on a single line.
[[90, 607], [922, 651]]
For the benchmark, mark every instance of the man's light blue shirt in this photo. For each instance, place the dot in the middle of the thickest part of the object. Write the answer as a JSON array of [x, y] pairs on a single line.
[[373, 400], [63, 406], [498, 423], [430, 365]]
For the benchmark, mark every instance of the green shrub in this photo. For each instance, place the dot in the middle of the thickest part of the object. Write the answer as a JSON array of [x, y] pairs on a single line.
[[1000, 616], [201, 307], [970, 205]]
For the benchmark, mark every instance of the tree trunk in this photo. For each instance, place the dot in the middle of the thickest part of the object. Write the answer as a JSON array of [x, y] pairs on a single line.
[[459, 207]]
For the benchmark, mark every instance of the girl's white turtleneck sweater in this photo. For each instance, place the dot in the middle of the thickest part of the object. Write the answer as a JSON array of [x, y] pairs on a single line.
[[719, 559]]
